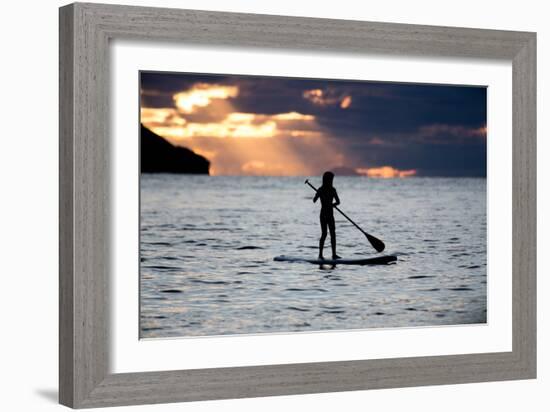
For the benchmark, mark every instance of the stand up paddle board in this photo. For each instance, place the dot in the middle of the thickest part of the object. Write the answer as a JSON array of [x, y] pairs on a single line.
[[378, 260]]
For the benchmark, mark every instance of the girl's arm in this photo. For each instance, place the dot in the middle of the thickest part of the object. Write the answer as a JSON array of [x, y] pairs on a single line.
[[316, 197], [336, 198]]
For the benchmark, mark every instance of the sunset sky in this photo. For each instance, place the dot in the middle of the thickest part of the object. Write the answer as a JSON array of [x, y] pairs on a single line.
[[248, 125]]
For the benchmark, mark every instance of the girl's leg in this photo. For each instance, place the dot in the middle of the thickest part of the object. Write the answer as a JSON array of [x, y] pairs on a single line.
[[323, 235], [332, 228]]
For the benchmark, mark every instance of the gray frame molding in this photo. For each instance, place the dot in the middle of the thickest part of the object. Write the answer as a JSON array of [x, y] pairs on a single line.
[[85, 31]]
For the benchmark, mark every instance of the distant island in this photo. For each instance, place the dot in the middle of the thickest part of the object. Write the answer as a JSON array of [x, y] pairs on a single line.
[[160, 156]]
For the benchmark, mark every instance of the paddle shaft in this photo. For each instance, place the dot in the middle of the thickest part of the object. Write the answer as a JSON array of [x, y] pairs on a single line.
[[338, 209], [376, 243]]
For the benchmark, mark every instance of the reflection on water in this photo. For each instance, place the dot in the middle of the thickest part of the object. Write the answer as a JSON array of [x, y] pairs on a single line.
[[207, 248]]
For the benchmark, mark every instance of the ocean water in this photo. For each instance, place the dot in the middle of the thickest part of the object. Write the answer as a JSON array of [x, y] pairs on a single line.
[[207, 246]]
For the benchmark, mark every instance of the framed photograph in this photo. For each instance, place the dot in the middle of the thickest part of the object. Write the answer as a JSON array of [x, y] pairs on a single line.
[[257, 205]]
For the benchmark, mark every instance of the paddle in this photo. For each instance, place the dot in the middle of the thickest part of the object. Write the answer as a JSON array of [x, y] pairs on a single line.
[[376, 243]]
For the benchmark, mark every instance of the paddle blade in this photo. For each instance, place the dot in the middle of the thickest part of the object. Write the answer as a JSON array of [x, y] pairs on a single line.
[[376, 243]]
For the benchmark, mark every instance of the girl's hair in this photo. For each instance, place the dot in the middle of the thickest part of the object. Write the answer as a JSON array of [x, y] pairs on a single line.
[[328, 177]]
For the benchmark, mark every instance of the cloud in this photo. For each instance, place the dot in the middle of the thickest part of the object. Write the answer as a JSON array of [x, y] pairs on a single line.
[[376, 141], [161, 117], [346, 102], [293, 116], [153, 92], [170, 124], [206, 110], [328, 97], [438, 134], [385, 172], [201, 95], [440, 131], [305, 133]]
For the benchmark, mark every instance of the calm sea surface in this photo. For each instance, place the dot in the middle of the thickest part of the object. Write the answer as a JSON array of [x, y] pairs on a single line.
[[208, 243]]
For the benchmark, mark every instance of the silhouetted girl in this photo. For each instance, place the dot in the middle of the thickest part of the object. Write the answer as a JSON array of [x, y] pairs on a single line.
[[327, 194]]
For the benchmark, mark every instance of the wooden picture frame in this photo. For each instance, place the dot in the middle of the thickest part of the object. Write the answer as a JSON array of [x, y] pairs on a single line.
[[85, 32]]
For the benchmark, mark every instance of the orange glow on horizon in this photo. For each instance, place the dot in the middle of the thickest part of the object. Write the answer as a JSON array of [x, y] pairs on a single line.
[[385, 172], [260, 157]]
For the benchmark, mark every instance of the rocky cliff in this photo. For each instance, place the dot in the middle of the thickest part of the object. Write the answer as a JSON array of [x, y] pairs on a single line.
[[160, 156]]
